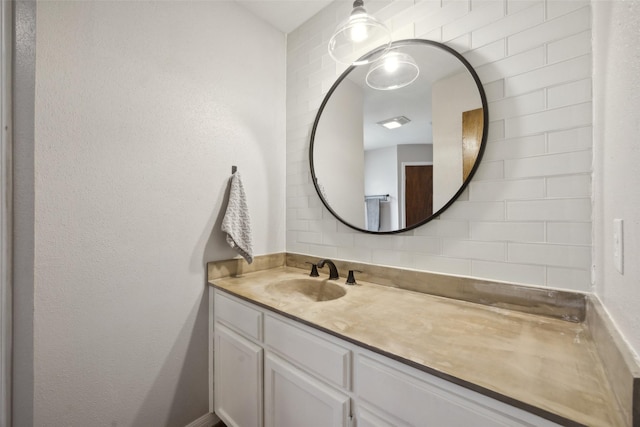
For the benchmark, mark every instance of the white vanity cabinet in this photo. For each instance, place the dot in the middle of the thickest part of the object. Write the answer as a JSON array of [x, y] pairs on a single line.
[[238, 385], [238, 363], [270, 373], [293, 398], [306, 378], [277, 372]]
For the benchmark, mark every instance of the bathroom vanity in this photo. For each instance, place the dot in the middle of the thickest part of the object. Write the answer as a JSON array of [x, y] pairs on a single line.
[[382, 356]]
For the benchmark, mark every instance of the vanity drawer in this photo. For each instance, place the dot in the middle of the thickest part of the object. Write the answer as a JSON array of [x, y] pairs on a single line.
[[417, 398], [329, 361], [238, 316]]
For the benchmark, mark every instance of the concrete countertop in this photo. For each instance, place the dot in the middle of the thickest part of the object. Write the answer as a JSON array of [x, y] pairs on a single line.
[[547, 366]]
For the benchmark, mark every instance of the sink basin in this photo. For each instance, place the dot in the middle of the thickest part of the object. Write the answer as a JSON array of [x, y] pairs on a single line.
[[306, 290]]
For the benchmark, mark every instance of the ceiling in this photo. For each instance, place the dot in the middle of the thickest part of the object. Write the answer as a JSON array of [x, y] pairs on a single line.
[[285, 15]]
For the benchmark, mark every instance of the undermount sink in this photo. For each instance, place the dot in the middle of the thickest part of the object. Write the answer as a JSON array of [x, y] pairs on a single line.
[[306, 290]]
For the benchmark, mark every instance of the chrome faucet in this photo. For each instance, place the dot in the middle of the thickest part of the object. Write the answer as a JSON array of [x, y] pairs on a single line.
[[333, 270]]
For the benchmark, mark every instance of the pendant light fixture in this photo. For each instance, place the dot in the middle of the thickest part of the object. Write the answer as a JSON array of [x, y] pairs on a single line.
[[358, 34], [393, 71]]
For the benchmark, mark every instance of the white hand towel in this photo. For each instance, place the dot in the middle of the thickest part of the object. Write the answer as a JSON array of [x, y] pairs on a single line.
[[236, 223]]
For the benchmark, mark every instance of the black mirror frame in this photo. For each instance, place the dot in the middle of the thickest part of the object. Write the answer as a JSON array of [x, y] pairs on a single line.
[[465, 183]]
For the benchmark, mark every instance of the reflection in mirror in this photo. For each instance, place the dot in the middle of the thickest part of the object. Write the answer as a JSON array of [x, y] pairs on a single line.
[[385, 161]]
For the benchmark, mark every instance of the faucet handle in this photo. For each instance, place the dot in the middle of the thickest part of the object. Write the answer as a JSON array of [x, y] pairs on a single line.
[[351, 280], [314, 269]]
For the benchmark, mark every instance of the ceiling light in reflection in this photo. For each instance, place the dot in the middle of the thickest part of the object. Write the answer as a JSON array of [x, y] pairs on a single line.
[[393, 71]]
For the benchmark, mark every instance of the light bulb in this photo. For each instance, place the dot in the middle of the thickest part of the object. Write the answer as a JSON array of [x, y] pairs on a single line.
[[358, 32], [391, 64], [397, 69]]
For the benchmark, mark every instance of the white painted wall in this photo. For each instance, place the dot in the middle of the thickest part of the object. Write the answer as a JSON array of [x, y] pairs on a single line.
[[526, 216], [451, 97], [617, 156], [141, 108], [23, 207], [339, 163], [381, 177]]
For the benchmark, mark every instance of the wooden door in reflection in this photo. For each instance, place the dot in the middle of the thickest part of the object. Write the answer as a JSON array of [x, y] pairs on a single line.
[[418, 198]]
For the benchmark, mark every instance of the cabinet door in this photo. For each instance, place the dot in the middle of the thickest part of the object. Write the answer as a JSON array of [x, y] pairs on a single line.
[[237, 379], [294, 399]]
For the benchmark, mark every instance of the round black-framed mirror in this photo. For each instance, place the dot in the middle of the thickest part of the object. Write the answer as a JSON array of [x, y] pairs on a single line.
[[389, 179]]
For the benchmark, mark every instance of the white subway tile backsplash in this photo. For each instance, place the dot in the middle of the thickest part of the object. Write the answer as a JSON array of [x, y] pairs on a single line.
[[317, 78], [392, 258], [356, 254], [569, 186], [297, 224], [549, 210], [570, 233], [444, 228], [489, 170], [388, 241], [513, 65], [327, 225], [526, 215], [293, 245], [482, 13], [552, 30], [309, 213], [557, 119], [504, 190], [322, 251], [422, 244], [568, 278], [494, 90], [570, 47], [315, 202], [407, 16], [496, 130], [550, 164], [552, 255], [433, 35], [515, 6], [509, 272], [442, 264], [492, 251], [577, 139], [511, 24], [507, 231], [338, 239], [569, 93], [449, 12], [299, 134], [486, 54], [488, 211], [515, 148], [309, 237], [461, 44], [298, 202], [393, 9], [563, 7], [550, 75], [532, 102], [403, 32]]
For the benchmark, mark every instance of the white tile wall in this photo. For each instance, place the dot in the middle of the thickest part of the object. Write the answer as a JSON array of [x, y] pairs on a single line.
[[526, 217]]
